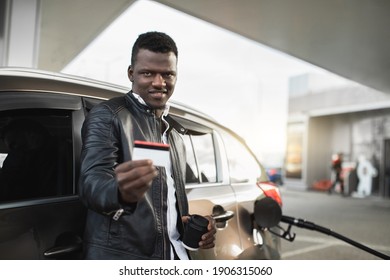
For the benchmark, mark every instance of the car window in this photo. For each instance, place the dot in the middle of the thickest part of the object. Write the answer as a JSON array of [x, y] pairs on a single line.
[[201, 164], [192, 173], [36, 153], [243, 166]]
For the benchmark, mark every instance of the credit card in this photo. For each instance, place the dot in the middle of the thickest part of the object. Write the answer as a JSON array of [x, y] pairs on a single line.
[[157, 152]]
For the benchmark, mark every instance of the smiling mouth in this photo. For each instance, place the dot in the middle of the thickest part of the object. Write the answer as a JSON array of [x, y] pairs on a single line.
[[158, 93]]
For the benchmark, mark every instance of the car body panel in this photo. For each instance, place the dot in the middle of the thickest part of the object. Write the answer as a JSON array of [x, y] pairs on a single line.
[[28, 230], [202, 200]]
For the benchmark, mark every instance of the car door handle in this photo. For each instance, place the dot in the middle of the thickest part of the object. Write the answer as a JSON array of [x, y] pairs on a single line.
[[62, 250], [220, 218], [66, 245]]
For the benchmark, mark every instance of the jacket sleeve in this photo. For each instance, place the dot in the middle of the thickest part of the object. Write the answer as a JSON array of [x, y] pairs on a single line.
[[100, 154]]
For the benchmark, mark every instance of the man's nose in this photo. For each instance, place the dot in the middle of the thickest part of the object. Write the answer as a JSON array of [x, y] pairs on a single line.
[[159, 81]]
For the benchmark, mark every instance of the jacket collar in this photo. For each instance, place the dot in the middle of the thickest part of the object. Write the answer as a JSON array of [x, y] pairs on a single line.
[[139, 102]]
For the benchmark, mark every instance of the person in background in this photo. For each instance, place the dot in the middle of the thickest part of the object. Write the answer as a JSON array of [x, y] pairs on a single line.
[[137, 210], [365, 171], [337, 161]]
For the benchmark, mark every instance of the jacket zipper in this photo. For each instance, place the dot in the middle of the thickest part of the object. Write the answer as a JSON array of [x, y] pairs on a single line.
[[118, 214], [157, 126]]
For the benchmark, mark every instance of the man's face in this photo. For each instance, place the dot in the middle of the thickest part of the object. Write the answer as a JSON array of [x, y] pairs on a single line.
[[154, 77]]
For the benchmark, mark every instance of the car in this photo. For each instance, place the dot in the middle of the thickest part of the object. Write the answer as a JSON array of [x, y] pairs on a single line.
[[41, 215]]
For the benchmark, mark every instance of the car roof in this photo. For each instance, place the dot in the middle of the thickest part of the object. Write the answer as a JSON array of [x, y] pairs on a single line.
[[31, 80]]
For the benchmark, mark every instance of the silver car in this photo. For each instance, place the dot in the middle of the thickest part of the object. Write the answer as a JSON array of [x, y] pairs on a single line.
[[41, 216]]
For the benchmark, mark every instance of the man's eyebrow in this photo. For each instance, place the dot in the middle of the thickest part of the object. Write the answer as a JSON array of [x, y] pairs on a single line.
[[154, 71]]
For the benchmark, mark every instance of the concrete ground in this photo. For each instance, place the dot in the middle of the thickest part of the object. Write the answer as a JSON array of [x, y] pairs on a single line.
[[364, 220]]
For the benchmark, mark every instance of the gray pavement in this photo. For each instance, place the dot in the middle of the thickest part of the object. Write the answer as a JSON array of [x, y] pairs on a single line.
[[365, 220]]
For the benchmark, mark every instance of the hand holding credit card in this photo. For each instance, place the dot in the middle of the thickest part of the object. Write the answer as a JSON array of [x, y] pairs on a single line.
[[157, 152]]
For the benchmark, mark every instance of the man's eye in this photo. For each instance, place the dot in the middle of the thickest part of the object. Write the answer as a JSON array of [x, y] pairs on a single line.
[[147, 74], [169, 76]]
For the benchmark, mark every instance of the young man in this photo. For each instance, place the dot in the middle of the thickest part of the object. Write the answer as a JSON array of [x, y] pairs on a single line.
[[135, 209]]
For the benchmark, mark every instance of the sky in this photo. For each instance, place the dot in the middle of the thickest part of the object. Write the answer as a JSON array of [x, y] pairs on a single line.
[[240, 83]]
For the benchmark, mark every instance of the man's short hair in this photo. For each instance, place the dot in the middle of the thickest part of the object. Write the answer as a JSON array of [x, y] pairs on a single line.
[[153, 41]]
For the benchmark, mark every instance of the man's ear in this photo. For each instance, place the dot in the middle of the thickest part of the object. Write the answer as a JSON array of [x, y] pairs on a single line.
[[130, 74]]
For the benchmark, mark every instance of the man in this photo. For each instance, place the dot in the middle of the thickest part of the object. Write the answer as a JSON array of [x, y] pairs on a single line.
[[337, 161], [135, 209]]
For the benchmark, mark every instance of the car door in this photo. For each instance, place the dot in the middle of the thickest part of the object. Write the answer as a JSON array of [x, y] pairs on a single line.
[[41, 216], [249, 182], [208, 190]]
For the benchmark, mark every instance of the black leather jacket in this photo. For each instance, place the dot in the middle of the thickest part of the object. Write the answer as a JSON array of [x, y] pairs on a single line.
[[115, 230]]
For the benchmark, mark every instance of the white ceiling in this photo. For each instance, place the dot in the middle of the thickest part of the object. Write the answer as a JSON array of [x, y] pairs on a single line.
[[348, 37]]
